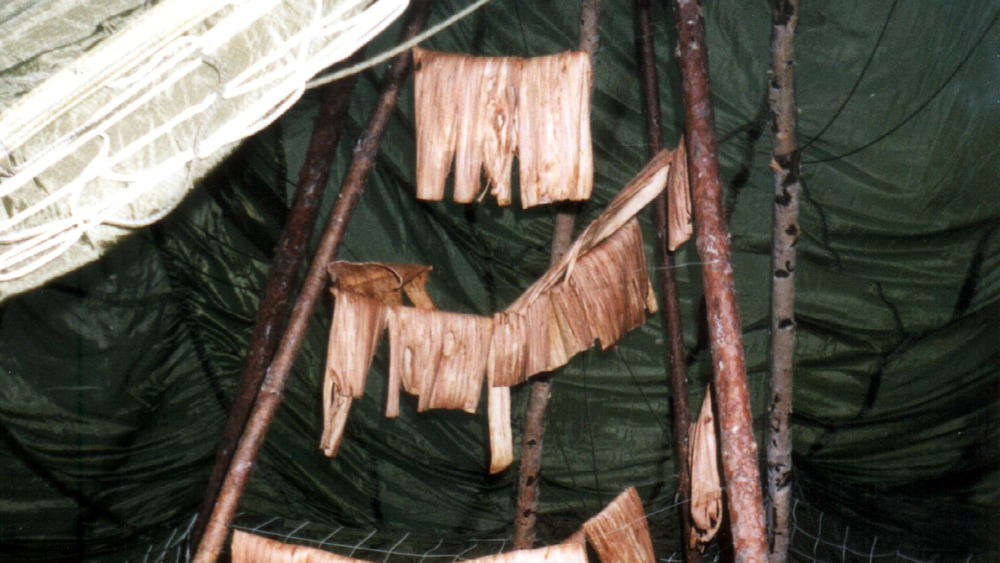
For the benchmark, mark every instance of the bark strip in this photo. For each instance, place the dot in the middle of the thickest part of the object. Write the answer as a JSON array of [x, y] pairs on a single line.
[[668, 282], [541, 387], [787, 184], [272, 388], [739, 448], [274, 304]]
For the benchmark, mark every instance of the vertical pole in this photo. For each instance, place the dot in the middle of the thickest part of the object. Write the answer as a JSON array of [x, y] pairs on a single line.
[[541, 387], [273, 386], [787, 184], [280, 284], [739, 448], [671, 309]]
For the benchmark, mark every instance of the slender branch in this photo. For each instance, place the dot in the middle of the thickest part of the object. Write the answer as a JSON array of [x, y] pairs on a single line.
[[787, 179], [274, 382], [280, 283], [541, 387], [671, 309], [739, 448]]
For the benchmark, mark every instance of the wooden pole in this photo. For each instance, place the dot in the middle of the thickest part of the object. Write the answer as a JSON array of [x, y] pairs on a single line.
[[671, 309], [541, 387], [787, 184], [281, 280], [277, 374], [739, 448]]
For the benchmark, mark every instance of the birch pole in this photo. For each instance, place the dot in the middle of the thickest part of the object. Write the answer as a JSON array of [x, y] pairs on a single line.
[[787, 178], [739, 448], [530, 468], [273, 386], [671, 309]]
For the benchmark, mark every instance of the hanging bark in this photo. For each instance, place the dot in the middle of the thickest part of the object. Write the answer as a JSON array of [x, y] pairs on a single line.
[[280, 282], [787, 178], [668, 282], [739, 448], [620, 532], [481, 111], [706, 490], [274, 382], [541, 388], [251, 548]]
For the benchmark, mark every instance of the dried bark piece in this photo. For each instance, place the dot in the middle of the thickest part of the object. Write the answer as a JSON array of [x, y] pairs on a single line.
[[606, 296], [501, 436], [384, 281], [362, 292], [437, 111], [553, 117], [251, 548], [335, 410], [357, 325], [706, 491], [559, 553], [641, 190], [620, 532], [508, 350], [480, 111], [439, 356], [679, 226]]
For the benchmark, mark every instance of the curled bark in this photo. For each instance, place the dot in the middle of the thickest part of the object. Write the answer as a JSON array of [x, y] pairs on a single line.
[[739, 448], [787, 175], [273, 386]]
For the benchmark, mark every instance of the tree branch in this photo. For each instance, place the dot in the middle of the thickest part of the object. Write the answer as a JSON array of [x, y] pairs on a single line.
[[274, 383], [739, 448]]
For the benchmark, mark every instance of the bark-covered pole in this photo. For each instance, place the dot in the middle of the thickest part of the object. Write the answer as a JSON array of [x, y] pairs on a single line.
[[277, 374], [787, 174], [739, 448], [280, 284], [671, 309], [541, 387]]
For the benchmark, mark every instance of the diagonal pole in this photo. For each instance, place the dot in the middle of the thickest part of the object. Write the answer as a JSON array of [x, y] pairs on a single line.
[[739, 447], [668, 281], [274, 304], [541, 387], [277, 374]]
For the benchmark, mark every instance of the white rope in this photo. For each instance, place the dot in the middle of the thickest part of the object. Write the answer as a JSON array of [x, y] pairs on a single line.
[[390, 53], [246, 99]]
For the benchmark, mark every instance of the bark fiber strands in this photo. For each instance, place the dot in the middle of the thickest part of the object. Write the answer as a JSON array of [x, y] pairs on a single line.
[[706, 489], [440, 356], [251, 548], [787, 185], [281, 277], [481, 111], [739, 448], [602, 299], [273, 385], [620, 533]]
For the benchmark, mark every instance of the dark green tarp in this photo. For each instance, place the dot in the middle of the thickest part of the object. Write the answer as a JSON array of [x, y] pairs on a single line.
[[116, 378]]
